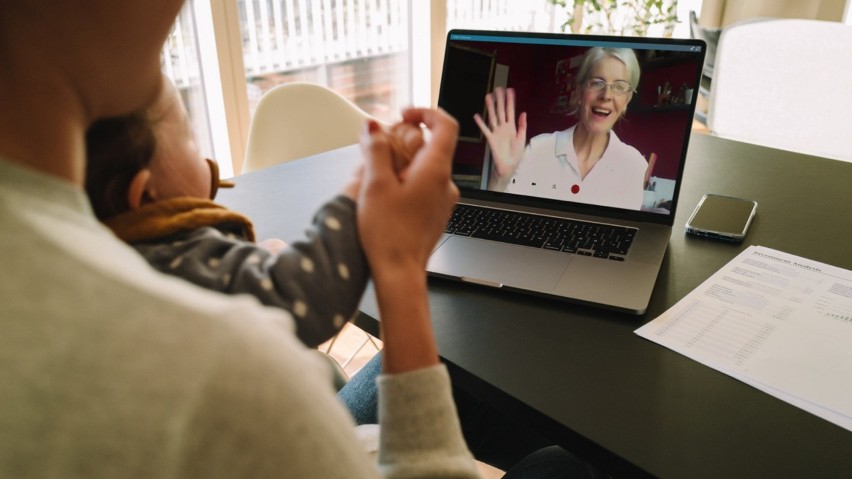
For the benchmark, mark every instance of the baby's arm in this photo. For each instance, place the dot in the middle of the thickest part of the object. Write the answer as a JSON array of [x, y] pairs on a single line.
[[319, 280]]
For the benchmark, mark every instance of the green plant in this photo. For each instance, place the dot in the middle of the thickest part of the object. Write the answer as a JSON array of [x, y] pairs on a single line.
[[618, 17]]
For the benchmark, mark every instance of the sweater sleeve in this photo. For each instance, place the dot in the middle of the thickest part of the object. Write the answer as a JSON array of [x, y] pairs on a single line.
[[266, 409], [420, 431], [319, 279]]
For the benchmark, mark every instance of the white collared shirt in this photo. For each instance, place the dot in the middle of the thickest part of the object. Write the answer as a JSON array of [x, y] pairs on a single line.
[[549, 169]]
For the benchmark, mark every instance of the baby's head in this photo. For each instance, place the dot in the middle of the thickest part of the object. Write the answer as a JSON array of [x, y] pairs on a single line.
[[145, 157]]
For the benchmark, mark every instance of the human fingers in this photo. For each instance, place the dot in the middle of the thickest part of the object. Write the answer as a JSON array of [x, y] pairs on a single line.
[[522, 125], [433, 166], [437, 120], [454, 193], [378, 161], [412, 210], [510, 105], [406, 140], [443, 135], [489, 108], [500, 94], [518, 144], [482, 126], [412, 136]]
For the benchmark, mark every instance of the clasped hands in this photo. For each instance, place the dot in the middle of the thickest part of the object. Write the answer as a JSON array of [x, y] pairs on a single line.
[[406, 191]]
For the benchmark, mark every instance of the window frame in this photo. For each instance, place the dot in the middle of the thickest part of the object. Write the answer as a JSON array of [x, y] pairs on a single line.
[[225, 82]]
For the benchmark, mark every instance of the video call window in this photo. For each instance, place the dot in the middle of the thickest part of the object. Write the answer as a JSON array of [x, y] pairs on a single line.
[[650, 128]]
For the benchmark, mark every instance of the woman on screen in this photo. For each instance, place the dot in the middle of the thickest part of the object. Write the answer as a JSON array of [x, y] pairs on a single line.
[[587, 162]]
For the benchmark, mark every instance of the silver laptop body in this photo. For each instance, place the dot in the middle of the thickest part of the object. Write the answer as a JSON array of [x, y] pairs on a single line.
[[541, 69]]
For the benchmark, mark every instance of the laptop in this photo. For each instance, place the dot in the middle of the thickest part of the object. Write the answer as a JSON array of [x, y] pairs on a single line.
[[549, 224]]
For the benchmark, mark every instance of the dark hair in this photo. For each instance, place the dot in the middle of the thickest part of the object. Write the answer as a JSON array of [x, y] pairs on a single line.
[[116, 149]]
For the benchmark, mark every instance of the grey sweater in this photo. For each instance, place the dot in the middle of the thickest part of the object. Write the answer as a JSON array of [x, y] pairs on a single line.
[[110, 369]]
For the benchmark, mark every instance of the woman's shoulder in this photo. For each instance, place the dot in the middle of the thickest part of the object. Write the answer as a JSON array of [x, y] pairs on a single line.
[[626, 152], [543, 138], [555, 142], [553, 136]]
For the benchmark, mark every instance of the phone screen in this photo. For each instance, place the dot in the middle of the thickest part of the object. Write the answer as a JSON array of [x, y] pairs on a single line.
[[721, 217]]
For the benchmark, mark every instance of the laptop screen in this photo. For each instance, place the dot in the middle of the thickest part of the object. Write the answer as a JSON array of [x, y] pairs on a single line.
[[574, 122]]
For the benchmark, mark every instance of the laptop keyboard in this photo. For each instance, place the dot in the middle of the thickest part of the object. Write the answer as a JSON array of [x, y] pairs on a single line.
[[547, 232]]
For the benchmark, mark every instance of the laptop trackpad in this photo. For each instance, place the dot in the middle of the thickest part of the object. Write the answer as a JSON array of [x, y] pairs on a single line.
[[499, 264]]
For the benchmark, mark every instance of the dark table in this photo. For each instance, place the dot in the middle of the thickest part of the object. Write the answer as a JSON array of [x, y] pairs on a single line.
[[580, 374]]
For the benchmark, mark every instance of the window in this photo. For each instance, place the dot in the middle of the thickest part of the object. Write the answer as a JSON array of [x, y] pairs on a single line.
[[181, 63], [381, 54], [356, 47]]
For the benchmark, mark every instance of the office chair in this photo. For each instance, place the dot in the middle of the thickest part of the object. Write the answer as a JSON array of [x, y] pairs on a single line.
[[784, 84], [298, 119]]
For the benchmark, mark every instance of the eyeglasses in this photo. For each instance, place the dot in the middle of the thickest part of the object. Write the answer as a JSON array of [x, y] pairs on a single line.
[[215, 182], [618, 87]]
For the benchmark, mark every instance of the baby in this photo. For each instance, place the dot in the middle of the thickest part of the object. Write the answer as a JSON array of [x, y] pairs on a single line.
[[147, 182]]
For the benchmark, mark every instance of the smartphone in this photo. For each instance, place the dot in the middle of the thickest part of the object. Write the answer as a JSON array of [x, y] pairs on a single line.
[[721, 217]]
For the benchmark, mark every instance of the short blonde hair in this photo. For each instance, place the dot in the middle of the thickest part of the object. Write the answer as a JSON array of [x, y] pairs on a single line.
[[625, 55]]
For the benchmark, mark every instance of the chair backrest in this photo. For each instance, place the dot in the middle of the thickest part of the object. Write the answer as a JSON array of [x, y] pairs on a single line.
[[295, 120], [785, 84]]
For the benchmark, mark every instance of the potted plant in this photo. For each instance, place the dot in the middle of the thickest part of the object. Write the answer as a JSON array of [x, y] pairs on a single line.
[[618, 17]]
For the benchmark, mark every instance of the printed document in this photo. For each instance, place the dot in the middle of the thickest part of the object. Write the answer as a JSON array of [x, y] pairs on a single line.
[[776, 321]]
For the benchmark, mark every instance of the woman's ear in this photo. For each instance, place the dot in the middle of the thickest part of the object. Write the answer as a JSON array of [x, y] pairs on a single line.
[[136, 192]]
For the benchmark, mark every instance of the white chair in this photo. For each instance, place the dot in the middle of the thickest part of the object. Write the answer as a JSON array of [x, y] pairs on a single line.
[[298, 119], [785, 84]]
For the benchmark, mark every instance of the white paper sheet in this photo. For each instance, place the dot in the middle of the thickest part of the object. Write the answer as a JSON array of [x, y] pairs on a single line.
[[776, 321]]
